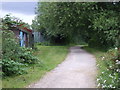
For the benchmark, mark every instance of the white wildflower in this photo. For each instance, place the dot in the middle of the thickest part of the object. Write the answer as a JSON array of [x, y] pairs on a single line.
[[116, 48], [117, 60], [98, 85], [113, 87], [110, 75], [98, 79], [104, 81], [110, 86], [103, 86], [103, 58], [97, 64], [110, 66], [118, 70], [102, 72]]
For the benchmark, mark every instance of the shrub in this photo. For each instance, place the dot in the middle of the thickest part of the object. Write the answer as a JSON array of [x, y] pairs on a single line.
[[27, 56], [10, 47], [14, 57], [109, 66], [10, 67]]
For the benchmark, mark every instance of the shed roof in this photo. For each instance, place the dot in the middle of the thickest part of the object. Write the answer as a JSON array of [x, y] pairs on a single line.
[[25, 29]]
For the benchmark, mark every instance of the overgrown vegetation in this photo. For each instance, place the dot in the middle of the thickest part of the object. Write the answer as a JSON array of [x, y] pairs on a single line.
[[109, 76], [108, 63], [72, 22], [14, 57], [94, 23], [25, 65], [9, 21], [49, 56]]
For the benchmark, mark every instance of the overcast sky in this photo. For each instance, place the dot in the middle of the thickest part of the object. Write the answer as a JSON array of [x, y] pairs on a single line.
[[23, 10]]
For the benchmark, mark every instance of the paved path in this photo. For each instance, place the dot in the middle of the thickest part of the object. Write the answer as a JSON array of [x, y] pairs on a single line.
[[77, 71]]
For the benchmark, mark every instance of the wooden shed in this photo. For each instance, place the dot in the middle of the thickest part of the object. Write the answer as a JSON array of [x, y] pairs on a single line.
[[24, 35]]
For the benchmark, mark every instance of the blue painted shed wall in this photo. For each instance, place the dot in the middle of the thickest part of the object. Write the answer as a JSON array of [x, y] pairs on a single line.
[[22, 39]]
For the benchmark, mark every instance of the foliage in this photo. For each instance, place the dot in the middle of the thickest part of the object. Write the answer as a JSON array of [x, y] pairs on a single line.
[[61, 21], [10, 64], [46, 43], [14, 57], [109, 75], [11, 67], [9, 21], [0, 44], [48, 55], [73, 22], [27, 57], [105, 26], [108, 65]]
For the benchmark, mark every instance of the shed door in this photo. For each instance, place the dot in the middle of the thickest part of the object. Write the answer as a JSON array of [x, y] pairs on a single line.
[[21, 39]]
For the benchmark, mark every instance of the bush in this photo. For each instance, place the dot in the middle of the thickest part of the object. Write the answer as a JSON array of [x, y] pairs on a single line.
[[10, 67], [27, 56], [10, 47], [109, 66], [14, 57]]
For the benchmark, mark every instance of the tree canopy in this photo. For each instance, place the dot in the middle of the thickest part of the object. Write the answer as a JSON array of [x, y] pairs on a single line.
[[73, 22]]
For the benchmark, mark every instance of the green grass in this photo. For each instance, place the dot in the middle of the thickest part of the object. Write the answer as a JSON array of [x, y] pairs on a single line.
[[0, 55], [50, 56], [107, 77], [0, 41], [98, 53]]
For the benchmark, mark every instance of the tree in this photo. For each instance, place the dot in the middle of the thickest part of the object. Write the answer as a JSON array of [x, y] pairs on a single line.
[[94, 23], [11, 21]]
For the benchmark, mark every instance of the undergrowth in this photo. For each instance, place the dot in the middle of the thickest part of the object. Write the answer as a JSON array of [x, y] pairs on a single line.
[[108, 64], [14, 58]]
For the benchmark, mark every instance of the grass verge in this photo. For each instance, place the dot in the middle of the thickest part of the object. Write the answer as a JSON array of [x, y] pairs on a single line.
[[50, 57], [108, 69]]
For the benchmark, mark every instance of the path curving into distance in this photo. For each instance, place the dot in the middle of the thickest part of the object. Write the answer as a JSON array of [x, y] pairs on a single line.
[[77, 71]]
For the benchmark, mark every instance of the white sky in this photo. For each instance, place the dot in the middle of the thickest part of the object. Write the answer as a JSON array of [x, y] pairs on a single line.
[[23, 11], [24, 17], [19, 0]]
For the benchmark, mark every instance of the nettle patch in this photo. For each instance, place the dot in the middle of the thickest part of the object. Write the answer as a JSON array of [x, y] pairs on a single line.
[[109, 67]]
